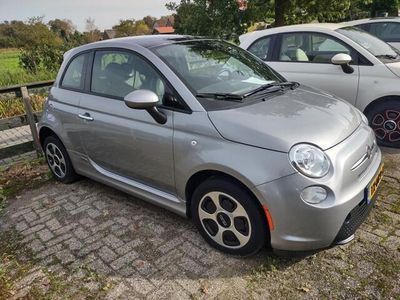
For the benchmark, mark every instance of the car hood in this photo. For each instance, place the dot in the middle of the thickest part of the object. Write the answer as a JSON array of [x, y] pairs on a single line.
[[303, 115], [394, 67]]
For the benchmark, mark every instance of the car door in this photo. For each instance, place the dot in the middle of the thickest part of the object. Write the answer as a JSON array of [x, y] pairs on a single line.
[[305, 57], [119, 140]]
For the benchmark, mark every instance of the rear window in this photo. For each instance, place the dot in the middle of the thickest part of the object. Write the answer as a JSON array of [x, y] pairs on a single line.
[[74, 77]]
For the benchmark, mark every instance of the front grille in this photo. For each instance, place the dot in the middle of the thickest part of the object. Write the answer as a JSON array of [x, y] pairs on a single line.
[[354, 219]]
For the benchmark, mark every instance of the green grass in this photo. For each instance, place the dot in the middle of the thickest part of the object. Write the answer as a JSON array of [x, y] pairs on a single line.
[[11, 73]]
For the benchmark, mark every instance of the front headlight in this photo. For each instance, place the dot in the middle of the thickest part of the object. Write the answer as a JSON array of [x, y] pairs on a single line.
[[309, 160]]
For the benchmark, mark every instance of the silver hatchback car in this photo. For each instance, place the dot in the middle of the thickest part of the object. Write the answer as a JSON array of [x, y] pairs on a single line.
[[207, 130]]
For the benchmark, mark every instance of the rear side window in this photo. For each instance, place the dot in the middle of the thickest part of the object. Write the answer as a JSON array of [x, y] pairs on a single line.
[[261, 47], [74, 76]]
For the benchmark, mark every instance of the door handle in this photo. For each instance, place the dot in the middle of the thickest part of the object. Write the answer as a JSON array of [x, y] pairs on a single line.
[[86, 116]]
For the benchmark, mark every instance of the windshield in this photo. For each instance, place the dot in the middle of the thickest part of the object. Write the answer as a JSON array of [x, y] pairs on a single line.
[[215, 67], [375, 46]]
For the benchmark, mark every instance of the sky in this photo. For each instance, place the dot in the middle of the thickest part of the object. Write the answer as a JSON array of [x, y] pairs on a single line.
[[106, 13]]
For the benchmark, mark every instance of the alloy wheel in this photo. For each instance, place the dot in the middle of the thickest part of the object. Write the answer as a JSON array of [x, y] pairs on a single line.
[[225, 220], [386, 126], [56, 160]]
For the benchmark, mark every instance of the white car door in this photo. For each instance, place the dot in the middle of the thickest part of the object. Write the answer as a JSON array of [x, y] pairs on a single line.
[[305, 57]]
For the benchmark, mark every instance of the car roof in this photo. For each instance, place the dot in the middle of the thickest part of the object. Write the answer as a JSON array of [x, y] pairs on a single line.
[[307, 27], [373, 20], [148, 41]]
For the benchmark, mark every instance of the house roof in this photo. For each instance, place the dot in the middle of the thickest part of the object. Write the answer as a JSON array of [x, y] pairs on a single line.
[[164, 30], [165, 22]]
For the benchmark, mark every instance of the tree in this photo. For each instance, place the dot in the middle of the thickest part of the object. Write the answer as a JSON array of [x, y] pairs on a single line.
[[149, 21], [63, 28], [92, 34], [130, 27], [304, 11], [384, 6], [215, 18]]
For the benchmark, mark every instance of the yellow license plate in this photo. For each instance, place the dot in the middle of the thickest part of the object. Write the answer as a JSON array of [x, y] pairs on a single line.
[[374, 184]]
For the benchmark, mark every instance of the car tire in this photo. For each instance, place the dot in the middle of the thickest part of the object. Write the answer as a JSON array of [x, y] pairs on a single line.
[[58, 160], [228, 217], [384, 119]]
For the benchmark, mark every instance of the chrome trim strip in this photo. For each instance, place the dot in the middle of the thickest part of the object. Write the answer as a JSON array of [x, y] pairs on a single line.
[[370, 154], [360, 162], [135, 184]]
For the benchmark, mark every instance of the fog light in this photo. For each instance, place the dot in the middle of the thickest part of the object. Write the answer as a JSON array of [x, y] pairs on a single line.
[[314, 194]]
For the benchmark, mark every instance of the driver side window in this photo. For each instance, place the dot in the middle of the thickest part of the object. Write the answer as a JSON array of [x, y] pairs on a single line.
[[117, 73], [310, 47]]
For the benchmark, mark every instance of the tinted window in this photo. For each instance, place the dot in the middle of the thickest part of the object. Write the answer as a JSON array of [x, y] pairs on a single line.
[[74, 75], [310, 47], [261, 47], [117, 73], [389, 32]]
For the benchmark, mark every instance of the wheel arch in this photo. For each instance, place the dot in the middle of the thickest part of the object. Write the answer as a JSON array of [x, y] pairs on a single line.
[[201, 176], [379, 101], [44, 132]]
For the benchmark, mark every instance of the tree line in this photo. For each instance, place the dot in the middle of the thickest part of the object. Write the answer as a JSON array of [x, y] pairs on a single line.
[[42, 45], [230, 18]]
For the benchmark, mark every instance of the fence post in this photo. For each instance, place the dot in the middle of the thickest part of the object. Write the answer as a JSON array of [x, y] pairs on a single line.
[[31, 119]]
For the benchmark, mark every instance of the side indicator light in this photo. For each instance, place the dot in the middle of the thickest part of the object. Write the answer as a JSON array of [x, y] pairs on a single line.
[[269, 218]]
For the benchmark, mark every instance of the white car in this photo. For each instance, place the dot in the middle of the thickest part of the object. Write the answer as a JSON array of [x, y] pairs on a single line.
[[387, 29], [342, 60]]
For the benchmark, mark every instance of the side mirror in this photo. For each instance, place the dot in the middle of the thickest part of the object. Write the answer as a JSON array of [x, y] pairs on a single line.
[[145, 99], [343, 60]]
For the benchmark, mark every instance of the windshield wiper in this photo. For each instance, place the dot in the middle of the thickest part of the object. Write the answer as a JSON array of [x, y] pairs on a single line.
[[388, 56], [222, 96], [290, 84]]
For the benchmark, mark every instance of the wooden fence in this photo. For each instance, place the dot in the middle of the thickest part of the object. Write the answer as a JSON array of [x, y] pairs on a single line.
[[29, 118]]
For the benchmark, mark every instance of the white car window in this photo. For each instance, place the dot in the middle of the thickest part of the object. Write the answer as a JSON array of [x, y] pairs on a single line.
[[261, 48], [310, 47]]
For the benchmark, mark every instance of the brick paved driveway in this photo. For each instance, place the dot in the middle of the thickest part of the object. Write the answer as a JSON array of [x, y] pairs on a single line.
[[146, 251]]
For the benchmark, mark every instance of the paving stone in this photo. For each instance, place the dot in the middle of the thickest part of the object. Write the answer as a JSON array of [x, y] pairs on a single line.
[[59, 239], [86, 250], [93, 213], [69, 206], [124, 260], [31, 230], [53, 224], [141, 285], [65, 256], [73, 244], [81, 233], [30, 216], [144, 267], [99, 266], [112, 241], [45, 235], [79, 209], [107, 254], [117, 291], [20, 226]]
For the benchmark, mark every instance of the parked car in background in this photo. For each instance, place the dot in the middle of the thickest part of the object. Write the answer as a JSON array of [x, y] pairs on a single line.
[[207, 130], [387, 29], [343, 60]]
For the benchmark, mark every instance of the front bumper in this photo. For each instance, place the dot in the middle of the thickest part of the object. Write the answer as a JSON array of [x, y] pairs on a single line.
[[299, 226]]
